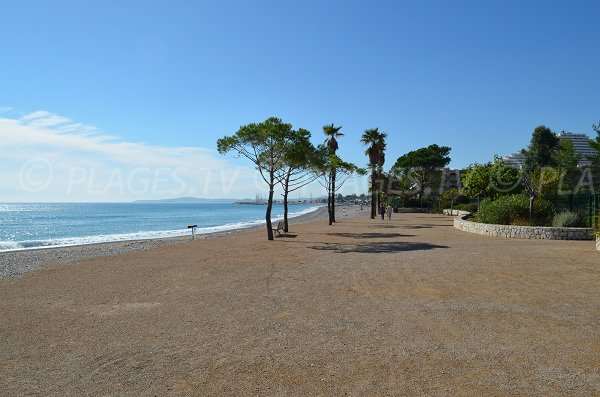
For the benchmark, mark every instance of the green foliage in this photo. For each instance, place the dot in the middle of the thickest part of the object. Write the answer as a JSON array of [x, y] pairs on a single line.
[[300, 150], [503, 179], [545, 180], [568, 219], [431, 157], [332, 132], [475, 180], [490, 180], [566, 160], [423, 165], [469, 207], [331, 171], [401, 184], [541, 148], [376, 153], [595, 144], [513, 209], [450, 194], [376, 144], [565, 156], [267, 145]]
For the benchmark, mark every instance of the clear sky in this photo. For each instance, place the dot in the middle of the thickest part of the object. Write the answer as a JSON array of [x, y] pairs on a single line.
[[99, 99]]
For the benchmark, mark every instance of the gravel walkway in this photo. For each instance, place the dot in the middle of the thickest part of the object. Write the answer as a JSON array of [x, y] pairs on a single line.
[[411, 307]]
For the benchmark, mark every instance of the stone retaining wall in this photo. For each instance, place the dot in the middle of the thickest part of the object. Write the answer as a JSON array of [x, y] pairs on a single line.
[[525, 232], [448, 211]]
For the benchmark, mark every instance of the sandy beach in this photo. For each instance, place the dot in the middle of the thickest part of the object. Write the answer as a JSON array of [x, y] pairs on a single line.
[[408, 307]]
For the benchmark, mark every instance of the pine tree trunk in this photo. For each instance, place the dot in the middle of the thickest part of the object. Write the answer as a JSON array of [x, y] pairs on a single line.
[[285, 203], [269, 208], [333, 175]]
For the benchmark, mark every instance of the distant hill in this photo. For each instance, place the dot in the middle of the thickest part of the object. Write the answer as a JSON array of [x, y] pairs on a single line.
[[186, 200]]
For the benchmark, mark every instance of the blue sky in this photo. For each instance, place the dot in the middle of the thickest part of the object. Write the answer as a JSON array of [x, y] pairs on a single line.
[[82, 80]]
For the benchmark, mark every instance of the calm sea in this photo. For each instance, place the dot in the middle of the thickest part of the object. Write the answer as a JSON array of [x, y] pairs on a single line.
[[29, 226]]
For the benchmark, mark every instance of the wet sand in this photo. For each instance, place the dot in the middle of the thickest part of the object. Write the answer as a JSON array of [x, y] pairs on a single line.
[[410, 307]]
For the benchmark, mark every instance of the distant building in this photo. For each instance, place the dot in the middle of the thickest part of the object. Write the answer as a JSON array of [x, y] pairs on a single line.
[[580, 144], [515, 160], [450, 179]]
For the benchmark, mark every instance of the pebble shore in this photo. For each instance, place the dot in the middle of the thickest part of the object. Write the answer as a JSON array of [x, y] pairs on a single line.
[[18, 263]]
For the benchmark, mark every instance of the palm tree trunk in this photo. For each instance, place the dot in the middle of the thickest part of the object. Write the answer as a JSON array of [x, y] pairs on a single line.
[[373, 200], [329, 204]]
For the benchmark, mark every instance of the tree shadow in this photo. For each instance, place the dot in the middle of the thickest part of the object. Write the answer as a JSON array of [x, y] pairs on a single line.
[[288, 235], [377, 248], [370, 235], [425, 226]]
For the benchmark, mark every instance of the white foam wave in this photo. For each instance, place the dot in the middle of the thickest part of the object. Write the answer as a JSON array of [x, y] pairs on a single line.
[[9, 245], [142, 235]]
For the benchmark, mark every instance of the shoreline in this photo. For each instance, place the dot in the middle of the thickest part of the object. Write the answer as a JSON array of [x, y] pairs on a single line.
[[18, 263]]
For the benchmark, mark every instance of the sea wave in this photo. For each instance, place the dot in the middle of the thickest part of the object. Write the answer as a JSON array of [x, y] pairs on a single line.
[[141, 235]]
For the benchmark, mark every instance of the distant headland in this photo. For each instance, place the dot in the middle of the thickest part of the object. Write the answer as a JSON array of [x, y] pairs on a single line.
[[186, 200]]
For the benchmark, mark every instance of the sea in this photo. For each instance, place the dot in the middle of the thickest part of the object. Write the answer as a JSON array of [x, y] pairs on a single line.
[[34, 226]]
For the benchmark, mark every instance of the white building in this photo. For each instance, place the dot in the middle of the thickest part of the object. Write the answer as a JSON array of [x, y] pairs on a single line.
[[514, 160], [580, 144]]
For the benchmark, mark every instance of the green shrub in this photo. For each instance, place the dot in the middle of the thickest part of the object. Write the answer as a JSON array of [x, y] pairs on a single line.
[[513, 209], [472, 208], [491, 212], [568, 219]]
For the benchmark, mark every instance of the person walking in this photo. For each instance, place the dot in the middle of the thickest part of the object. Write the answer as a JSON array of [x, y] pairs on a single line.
[[389, 212], [382, 212]]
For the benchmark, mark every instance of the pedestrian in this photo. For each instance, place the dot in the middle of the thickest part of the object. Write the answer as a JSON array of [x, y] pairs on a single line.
[[382, 212], [389, 212]]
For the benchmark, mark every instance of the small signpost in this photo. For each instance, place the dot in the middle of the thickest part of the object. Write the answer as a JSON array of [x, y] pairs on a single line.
[[193, 227]]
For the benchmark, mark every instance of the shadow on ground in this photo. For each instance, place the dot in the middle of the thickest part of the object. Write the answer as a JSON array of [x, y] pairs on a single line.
[[370, 235], [424, 226], [377, 248]]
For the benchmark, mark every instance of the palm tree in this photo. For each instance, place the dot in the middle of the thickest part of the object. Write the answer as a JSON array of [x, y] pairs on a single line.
[[380, 161], [332, 132], [376, 154]]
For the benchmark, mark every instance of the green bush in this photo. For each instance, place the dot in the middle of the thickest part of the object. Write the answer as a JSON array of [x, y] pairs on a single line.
[[568, 219], [470, 207], [413, 202], [513, 209]]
